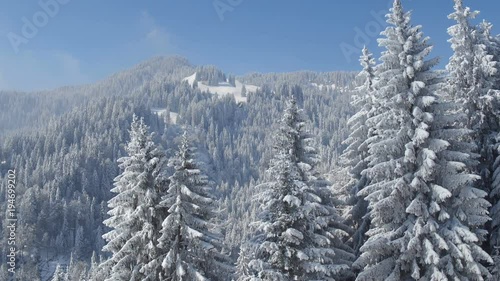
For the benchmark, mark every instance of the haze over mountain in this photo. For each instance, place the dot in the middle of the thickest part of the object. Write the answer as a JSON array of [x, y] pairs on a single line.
[[151, 73]]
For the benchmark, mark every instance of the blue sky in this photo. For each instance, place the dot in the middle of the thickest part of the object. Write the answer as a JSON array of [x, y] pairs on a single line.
[[79, 41]]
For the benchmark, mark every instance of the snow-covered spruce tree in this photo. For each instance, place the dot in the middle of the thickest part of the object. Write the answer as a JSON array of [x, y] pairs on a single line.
[[354, 156], [421, 201], [192, 247], [464, 214], [298, 235], [135, 216], [471, 68], [243, 271], [59, 274], [94, 267], [493, 47], [473, 83]]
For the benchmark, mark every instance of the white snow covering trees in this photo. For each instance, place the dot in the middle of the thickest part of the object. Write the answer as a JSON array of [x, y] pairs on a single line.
[[423, 206], [299, 232], [354, 156], [474, 83], [472, 70], [192, 247], [135, 217], [490, 151], [59, 274]]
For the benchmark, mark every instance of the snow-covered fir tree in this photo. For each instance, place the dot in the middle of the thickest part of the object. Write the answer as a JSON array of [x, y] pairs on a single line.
[[243, 270], [472, 74], [135, 216], [473, 83], [423, 207], [93, 271], [76, 269], [472, 70], [189, 238], [354, 156], [492, 45], [59, 274], [299, 234]]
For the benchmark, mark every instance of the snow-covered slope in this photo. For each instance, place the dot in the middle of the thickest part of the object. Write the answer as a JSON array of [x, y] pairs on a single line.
[[224, 88], [321, 86], [173, 116], [190, 79]]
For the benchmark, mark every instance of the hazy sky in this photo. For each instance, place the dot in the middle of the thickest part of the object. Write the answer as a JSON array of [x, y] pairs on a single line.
[[79, 41]]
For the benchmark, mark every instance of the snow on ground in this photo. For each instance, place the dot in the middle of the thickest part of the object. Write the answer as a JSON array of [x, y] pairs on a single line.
[[173, 117], [159, 111], [321, 86], [224, 88], [162, 111], [190, 79]]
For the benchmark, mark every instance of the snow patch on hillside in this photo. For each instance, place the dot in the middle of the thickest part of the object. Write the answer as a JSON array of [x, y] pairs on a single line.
[[190, 79], [224, 88], [173, 116], [159, 111], [322, 86]]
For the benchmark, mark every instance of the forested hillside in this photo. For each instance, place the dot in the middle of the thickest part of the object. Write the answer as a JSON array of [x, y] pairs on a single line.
[[172, 171], [65, 144]]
